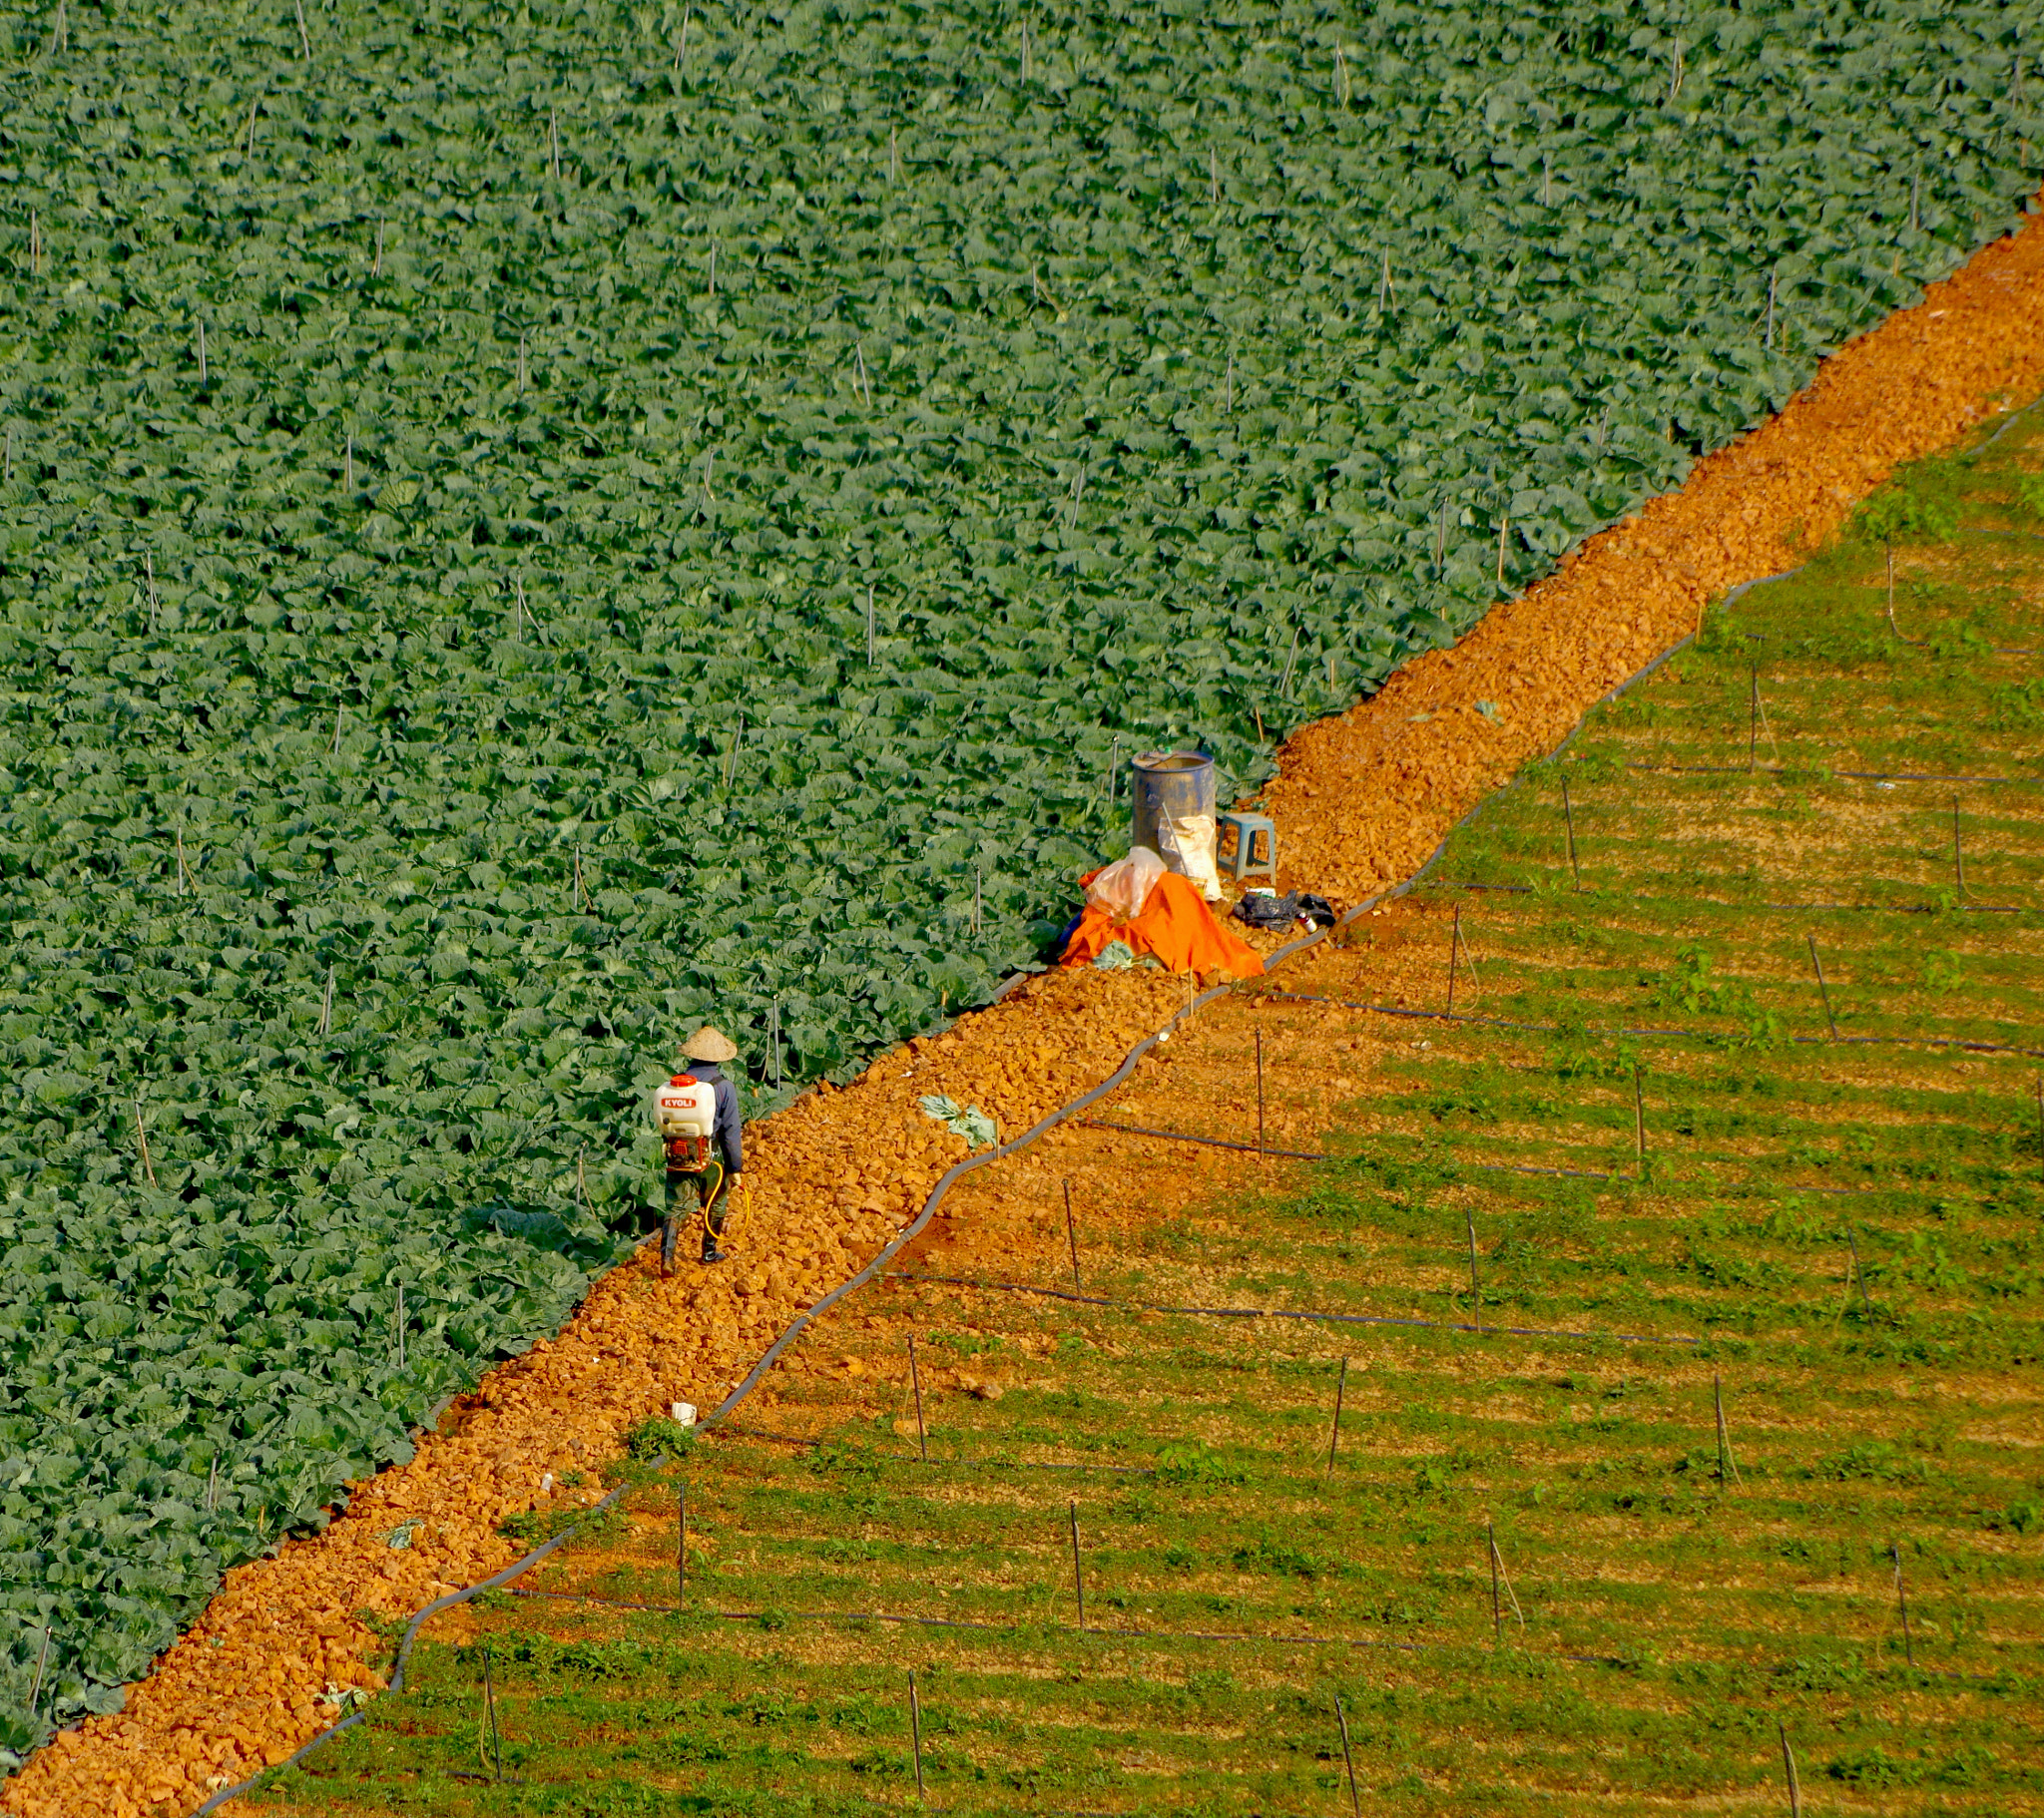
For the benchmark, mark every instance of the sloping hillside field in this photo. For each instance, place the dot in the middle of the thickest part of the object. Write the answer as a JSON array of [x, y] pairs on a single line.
[[525, 528]]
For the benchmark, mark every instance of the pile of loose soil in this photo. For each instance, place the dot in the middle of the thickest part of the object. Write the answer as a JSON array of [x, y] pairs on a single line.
[[1363, 799]]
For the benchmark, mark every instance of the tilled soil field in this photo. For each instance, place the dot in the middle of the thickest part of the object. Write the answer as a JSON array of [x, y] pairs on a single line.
[[1363, 800]]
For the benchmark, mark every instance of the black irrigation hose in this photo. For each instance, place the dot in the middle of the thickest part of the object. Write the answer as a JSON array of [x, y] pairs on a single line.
[[1311, 1319], [1250, 1149], [1085, 1628], [1446, 883], [915, 1229], [1770, 769], [1687, 1035]]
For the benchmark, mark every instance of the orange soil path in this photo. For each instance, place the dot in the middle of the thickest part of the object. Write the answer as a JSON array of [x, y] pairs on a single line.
[[1363, 799]]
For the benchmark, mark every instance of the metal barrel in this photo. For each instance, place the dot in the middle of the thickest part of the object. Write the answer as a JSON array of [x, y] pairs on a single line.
[[1167, 785]]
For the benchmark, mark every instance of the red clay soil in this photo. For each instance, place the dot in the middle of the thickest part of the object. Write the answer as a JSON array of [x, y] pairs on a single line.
[[1363, 799]]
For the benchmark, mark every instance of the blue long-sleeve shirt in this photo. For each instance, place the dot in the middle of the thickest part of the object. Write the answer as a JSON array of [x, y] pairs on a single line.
[[728, 1141]]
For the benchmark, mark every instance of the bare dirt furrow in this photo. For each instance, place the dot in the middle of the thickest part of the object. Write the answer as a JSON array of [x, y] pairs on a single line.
[[1364, 798]]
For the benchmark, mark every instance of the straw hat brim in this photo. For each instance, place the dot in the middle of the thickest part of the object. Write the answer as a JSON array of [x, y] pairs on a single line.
[[709, 1044]]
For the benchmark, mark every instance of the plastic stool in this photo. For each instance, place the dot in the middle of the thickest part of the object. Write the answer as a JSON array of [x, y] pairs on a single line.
[[1247, 826]]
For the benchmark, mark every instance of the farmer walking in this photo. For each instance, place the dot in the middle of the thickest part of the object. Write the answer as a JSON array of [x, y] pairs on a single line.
[[699, 1125]]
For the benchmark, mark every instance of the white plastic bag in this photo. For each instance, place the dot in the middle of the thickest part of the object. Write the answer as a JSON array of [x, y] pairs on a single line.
[[1123, 887], [1188, 842]]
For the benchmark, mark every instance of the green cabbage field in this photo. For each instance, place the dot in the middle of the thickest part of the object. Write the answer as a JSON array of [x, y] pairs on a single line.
[[526, 525]]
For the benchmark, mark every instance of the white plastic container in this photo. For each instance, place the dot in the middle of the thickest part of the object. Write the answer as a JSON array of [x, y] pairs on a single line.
[[686, 1109]]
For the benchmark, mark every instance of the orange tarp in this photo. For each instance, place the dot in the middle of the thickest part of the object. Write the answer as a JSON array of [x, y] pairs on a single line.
[[1173, 924]]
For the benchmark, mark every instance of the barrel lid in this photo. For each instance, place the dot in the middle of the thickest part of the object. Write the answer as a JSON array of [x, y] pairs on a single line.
[[1172, 760]]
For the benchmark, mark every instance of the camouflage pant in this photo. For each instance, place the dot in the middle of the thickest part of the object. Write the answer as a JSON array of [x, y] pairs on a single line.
[[707, 1188]]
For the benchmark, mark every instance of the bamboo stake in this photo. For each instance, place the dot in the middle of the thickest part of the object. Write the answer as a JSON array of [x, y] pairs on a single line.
[[142, 1143], [1384, 282], [1568, 816], [682, 46], [326, 1006], [865, 384], [1753, 718], [201, 351], [349, 465], [681, 1542], [1348, 1761], [923, 1438], [377, 264], [1475, 1287], [1497, 1563], [148, 571], [1212, 176], [1072, 1240], [1788, 1762], [401, 1325], [182, 876], [1078, 1578], [1858, 1273], [304, 42], [1639, 1120], [870, 630], [1334, 1431], [1774, 278], [977, 893], [250, 150], [333, 750], [1503, 524], [213, 1484], [521, 365], [1902, 1604], [35, 1690], [1497, 1618], [1727, 1464], [490, 1704], [916, 1732], [1454, 951], [7, 461], [554, 142], [712, 271], [1823, 990], [1958, 854], [35, 242], [895, 154], [1259, 1093]]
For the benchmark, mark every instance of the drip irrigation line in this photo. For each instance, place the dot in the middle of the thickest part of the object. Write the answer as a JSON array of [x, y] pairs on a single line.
[[969, 1463], [1707, 902], [1687, 1035], [1137, 1130], [1088, 1628], [2008, 423], [1770, 769], [1311, 1319]]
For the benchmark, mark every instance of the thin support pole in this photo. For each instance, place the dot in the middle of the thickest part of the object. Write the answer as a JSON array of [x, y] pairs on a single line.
[[213, 1484], [35, 1690], [1753, 716], [1260, 1093], [1072, 1240], [1858, 1273], [916, 1732], [142, 1143], [1454, 953], [326, 1006], [1475, 1289], [1568, 816], [1728, 1465], [870, 629], [1823, 990], [1789, 1764], [1335, 1428], [1504, 524], [1497, 1617], [923, 1438], [681, 1542], [1078, 1574], [183, 876], [1640, 1122], [1958, 852], [1348, 1761], [490, 1705], [398, 1318], [1902, 1605]]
